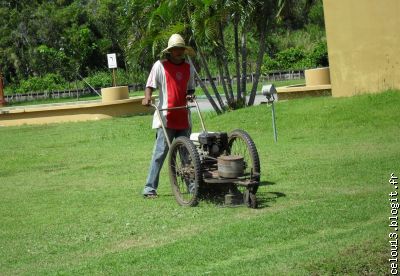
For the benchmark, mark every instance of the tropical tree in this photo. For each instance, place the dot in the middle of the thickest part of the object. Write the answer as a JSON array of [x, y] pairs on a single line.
[[205, 23], [164, 19], [71, 37], [268, 9]]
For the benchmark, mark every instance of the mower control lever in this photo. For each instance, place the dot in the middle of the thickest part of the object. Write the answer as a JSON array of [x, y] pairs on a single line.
[[187, 106]]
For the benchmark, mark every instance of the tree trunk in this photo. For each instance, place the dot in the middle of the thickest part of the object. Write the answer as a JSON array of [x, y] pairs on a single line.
[[225, 62], [203, 86], [237, 57], [222, 77], [244, 63], [260, 57], [214, 87], [210, 99]]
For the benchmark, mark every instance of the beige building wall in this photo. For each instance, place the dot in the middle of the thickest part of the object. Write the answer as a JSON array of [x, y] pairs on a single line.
[[363, 45]]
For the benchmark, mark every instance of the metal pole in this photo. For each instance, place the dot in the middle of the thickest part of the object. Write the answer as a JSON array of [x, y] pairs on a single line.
[[162, 124], [274, 123], [91, 87], [200, 116]]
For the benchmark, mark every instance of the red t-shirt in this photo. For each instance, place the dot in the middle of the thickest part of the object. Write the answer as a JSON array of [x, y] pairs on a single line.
[[173, 81]]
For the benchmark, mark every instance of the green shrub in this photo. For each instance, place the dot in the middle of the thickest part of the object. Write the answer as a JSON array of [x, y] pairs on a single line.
[[269, 64], [134, 76], [319, 55], [100, 79], [289, 59], [297, 58], [10, 89], [48, 82], [104, 78]]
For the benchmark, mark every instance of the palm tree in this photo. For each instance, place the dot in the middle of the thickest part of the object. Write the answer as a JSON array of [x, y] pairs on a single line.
[[204, 23], [210, 19], [270, 10], [163, 23]]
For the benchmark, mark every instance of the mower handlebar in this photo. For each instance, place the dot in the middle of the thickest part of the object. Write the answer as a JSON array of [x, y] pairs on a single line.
[[187, 106], [173, 108]]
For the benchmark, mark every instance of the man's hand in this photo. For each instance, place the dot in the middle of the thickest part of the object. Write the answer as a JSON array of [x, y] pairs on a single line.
[[147, 96], [190, 98], [146, 101]]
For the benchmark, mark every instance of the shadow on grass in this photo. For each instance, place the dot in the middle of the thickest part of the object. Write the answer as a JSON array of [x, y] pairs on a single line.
[[265, 198], [216, 195], [267, 183]]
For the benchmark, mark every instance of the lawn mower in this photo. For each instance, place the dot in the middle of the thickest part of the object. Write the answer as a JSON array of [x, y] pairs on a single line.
[[212, 161]]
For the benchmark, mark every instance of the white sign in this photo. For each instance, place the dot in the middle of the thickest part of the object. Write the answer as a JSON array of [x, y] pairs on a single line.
[[112, 61]]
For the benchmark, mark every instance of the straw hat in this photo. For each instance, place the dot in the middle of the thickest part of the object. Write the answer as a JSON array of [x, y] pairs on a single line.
[[177, 41]]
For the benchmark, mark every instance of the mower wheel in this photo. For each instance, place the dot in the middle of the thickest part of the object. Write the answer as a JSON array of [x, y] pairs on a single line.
[[240, 143], [184, 171]]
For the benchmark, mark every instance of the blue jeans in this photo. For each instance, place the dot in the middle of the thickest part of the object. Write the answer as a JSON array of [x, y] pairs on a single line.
[[160, 151]]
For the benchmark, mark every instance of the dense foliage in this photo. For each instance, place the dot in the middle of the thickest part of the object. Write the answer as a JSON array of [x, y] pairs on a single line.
[[61, 37], [300, 41], [66, 40]]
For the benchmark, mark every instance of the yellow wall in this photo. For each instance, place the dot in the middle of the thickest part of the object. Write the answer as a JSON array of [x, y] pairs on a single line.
[[94, 110], [363, 45]]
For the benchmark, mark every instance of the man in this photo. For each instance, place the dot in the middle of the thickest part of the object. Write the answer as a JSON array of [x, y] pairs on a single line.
[[174, 78]]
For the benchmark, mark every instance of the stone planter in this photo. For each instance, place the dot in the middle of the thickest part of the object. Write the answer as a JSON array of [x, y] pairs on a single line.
[[111, 94], [318, 76]]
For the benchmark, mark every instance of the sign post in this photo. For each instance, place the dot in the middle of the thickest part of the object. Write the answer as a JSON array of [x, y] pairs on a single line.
[[112, 64]]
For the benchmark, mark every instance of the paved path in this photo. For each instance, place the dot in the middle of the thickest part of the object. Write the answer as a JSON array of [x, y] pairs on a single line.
[[205, 105]]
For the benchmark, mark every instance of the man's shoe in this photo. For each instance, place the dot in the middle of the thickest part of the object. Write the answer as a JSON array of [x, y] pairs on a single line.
[[150, 196]]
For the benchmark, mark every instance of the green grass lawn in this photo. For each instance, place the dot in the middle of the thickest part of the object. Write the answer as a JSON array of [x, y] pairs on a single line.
[[70, 198]]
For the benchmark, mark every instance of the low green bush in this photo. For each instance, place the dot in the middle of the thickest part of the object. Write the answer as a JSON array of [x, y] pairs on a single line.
[[48, 82], [296, 58], [122, 77], [319, 55], [100, 79]]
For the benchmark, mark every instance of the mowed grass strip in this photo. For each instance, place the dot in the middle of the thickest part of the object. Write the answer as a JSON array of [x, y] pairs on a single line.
[[70, 196]]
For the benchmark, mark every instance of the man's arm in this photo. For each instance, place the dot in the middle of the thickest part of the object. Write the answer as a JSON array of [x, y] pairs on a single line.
[[191, 84], [147, 96]]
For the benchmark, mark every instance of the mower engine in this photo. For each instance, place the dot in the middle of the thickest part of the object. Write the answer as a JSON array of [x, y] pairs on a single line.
[[214, 144], [213, 149]]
